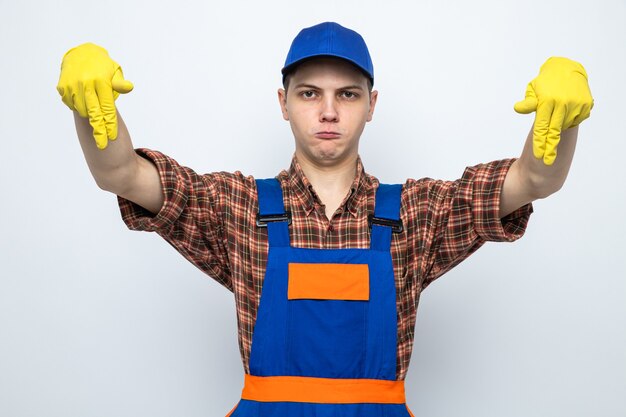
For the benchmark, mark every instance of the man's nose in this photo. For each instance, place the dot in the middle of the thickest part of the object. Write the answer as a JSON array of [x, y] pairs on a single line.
[[328, 111]]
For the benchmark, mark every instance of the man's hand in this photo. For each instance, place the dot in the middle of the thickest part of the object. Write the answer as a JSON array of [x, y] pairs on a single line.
[[90, 82], [561, 97]]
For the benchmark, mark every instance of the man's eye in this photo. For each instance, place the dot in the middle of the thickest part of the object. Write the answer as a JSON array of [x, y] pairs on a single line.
[[308, 94], [349, 94]]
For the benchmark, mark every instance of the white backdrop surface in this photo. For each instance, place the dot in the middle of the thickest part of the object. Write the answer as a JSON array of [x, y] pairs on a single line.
[[96, 320]]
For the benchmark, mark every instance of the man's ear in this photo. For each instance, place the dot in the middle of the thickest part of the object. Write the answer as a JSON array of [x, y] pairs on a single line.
[[282, 100], [373, 98]]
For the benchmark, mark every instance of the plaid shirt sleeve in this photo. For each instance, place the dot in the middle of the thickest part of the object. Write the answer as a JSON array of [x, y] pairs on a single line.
[[191, 218], [450, 220]]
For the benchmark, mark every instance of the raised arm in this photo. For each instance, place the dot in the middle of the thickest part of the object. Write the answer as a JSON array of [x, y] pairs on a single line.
[[530, 179], [90, 82], [118, 169], [561, 98]]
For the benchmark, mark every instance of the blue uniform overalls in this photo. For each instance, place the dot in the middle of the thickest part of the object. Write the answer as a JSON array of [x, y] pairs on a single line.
[[324, 342]]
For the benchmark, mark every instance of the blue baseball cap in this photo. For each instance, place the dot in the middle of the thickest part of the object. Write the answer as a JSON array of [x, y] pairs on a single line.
[[329, 39]]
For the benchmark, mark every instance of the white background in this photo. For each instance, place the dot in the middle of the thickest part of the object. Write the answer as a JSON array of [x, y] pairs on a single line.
[[96, 320]]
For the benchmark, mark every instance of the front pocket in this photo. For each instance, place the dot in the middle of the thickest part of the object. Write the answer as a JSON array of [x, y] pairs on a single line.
[[327, 325]]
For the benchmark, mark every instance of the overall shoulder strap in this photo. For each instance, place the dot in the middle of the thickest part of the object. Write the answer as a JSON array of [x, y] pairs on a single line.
[[272, 212], [386, 218]]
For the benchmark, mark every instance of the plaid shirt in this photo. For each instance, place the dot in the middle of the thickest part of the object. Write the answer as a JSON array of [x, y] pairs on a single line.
[[210, 220]]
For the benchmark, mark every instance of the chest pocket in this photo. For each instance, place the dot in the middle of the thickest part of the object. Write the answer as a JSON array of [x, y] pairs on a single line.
[[327, 323]]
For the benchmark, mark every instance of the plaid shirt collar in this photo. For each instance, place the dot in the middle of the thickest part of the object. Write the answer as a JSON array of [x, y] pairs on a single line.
[[310, 200]]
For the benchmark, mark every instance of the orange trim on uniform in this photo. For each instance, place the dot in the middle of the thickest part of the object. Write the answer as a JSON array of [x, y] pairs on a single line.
[[329, 282], [322, 390]]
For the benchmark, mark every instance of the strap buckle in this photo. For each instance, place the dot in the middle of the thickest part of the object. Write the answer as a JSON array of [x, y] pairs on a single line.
[[263, 220], [396, 225]]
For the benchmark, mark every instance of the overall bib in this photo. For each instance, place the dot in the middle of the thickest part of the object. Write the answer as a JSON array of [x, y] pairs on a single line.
[[324, 342]]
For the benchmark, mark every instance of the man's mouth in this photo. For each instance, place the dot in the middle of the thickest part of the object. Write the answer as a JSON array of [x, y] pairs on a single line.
[[327, 134]]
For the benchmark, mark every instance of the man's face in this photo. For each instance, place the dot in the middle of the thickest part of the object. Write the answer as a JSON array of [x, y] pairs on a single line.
[[327, 105]]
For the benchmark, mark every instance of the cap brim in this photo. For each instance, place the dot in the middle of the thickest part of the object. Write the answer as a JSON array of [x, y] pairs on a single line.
[[294, 64]]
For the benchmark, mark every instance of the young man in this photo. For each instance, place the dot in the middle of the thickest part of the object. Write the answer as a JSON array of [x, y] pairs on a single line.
[[326, 264]]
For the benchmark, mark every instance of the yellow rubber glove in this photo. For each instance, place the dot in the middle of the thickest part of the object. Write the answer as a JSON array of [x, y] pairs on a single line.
[[90, 82], [561, 97]]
